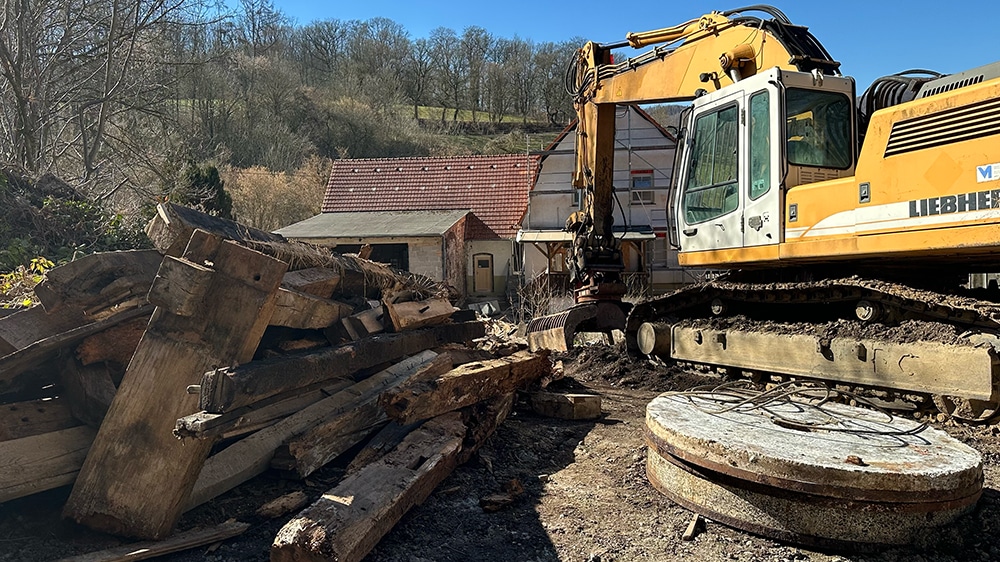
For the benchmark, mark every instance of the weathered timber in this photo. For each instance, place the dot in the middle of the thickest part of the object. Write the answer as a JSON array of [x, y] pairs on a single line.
[[252, 455], [153, 549], [116, 344], [464, 385], [378, 446], [34, 417], [417, 314], [483, 419], [259, 415], [13, 366], [226, 389], [89, 391], [283, 505], [296, 309], [98, 282], [566, 406], [32, 325], [172, 227], [318, 281], [349, 520], [42, 462], [302, 456], [363, 324], [137, 477], [180, 286], [326, 441]]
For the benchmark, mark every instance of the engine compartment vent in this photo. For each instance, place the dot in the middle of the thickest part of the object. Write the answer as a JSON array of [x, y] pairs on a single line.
[[945, 127]]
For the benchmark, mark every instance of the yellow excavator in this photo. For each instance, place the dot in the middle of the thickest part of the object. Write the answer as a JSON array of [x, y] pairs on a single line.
[[844, 228]]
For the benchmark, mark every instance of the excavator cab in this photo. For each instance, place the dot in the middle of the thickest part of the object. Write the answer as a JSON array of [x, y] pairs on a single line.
[[745, 144]]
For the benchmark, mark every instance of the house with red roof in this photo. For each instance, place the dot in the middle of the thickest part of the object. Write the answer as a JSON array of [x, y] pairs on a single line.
[[452, 219]]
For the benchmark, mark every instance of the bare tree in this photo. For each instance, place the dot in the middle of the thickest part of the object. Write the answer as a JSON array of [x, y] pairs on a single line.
[[451, 70], [476, 43]]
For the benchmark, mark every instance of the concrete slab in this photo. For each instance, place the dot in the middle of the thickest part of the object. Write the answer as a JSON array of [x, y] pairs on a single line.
[[850, 452]]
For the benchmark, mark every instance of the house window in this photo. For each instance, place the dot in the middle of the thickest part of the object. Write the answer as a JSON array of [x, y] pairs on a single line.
[[642, 179], [576, 198], [644, 197]]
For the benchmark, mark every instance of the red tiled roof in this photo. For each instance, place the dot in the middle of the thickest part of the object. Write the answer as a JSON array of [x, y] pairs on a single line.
[[494, 188]]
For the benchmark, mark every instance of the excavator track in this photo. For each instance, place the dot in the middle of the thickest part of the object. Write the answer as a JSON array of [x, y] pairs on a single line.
[[859, 332]]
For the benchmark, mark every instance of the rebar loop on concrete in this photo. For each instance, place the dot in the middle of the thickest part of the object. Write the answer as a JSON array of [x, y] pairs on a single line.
[[794, 397]]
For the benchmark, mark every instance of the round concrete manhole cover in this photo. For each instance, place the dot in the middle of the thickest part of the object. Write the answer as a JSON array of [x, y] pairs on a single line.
[[807, 471]]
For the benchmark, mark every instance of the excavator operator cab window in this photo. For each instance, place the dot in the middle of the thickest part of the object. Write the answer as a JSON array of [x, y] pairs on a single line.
[[712, 189], [818, 128]]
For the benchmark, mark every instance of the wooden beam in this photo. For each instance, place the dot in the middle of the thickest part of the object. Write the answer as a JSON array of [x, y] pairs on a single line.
[[417, 314], [116, 344], [226, 389], [89, 391], [33, 325], [321, 444], [464, 385], [566, 406], [379, 446], [252, 455], [172, 227], [98, 282], [34, 417], [350, 519], [318, 281], [42, 462], [13, 366], [153, 549], [138, 476], [180, 286], [259, 415], [296, 309]]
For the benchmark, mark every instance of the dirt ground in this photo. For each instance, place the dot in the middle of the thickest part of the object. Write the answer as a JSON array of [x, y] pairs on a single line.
[[585, 499]]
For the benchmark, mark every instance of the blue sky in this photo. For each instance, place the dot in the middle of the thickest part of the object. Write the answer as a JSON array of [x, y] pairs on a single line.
[[870, 38]]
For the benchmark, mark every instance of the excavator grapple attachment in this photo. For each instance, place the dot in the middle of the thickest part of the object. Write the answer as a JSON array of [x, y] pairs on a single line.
[[557, 331]]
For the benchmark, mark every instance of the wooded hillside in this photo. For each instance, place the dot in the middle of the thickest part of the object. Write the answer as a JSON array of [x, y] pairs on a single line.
[[134, 102]]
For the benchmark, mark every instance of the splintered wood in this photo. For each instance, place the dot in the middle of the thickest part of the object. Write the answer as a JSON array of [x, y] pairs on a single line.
[[138, 364]]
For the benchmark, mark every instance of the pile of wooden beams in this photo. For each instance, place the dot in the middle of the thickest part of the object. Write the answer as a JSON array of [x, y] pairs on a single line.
[[155, 380]]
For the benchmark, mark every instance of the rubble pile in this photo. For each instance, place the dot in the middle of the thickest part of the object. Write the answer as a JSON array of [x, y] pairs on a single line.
[[155, 380]]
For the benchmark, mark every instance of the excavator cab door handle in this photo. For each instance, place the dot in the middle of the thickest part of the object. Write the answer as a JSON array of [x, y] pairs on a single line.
[[690, 231]]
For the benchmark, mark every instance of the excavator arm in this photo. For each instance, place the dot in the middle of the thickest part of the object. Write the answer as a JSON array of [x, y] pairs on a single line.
[[696, 57]]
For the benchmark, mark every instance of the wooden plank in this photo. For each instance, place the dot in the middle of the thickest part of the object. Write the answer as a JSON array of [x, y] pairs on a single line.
[[42, 462], [417, 314], [379, 446], [13, 366], [97, 282], [464, 385], [116, 344], [296, 309], [89, 391], [224, 390], [350, 519], [138, 476], [34, 417], [153, 549], [172, 227], [180, 286], [247, 419], [566, 406], [33, 325], [283, 505], [252, 455], [326, 441], [318, 281]]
